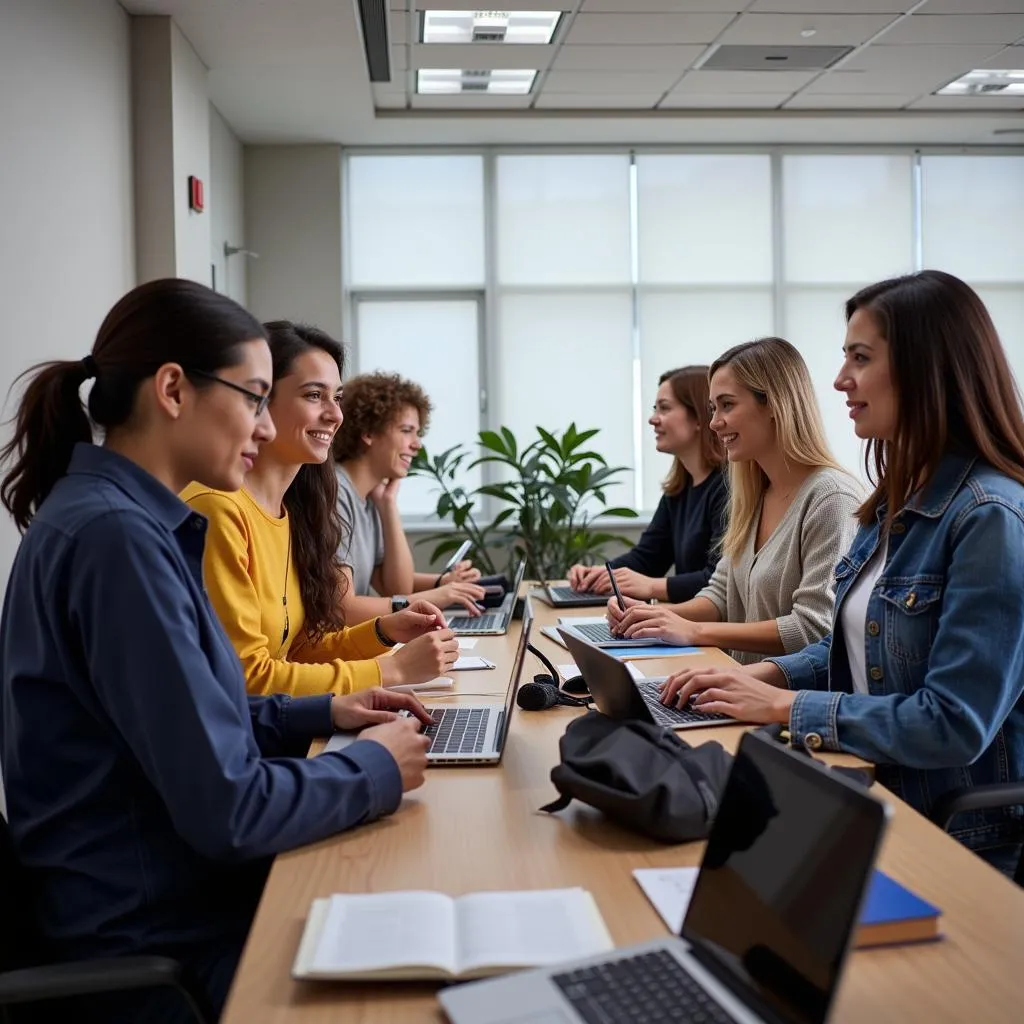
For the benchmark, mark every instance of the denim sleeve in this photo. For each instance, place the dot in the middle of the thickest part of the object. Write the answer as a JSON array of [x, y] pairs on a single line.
[[807, 669], [975, 672], [653, 553], [190, 730]]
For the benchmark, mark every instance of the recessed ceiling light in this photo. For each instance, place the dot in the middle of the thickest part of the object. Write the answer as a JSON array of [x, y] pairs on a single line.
[[492, 81], [535, 27], [808, 32], [986, 82]]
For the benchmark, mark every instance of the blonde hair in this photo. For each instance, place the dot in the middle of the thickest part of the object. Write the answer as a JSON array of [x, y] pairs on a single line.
[[776, 374]]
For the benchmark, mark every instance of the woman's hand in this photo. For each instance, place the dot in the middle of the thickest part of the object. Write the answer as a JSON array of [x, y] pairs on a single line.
[[465, 594], [419, 618], [425, 658], [655, 622], [374, 707], [731, 692], [633, 584], [462, 573], [615, 614], [590, 579]]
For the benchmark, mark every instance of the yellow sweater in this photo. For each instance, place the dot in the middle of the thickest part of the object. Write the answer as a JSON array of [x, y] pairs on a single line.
[[248, 571]]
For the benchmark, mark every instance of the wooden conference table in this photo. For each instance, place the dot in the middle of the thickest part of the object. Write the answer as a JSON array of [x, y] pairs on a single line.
[[477, 828]]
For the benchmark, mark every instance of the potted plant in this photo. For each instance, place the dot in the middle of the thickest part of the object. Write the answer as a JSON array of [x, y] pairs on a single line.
[[553, 490]]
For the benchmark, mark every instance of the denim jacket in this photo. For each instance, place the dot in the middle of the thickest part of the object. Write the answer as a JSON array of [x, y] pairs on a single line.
[[944, 646]]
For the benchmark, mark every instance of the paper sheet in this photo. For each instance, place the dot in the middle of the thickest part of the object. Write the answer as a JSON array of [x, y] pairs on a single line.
[[569, 669], [470, 662], [467, 643], [431, 685], [669, 890]]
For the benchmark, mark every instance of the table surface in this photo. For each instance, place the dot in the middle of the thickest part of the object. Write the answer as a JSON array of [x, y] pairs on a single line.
[[478, 828]]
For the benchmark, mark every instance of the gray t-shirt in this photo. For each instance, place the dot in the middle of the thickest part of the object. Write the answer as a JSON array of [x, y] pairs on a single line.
[[362, 548]]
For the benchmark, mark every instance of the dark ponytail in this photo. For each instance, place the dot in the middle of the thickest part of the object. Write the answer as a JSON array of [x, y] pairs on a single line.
[[312, 499], [166, 321]]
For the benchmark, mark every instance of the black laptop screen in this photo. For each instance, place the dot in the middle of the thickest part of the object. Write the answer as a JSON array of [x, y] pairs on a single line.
[[782, 878]]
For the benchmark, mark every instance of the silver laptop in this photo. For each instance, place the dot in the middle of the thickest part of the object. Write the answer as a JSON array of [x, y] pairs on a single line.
[[566, 597], [494, 621], [466, 733], [767, 929], [618, 695], [600, 633]]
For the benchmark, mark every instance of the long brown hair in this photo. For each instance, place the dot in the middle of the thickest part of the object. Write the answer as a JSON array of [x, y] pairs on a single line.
[[690, 386], [312, 498], [955, 391], [165, 321], [775, 372]]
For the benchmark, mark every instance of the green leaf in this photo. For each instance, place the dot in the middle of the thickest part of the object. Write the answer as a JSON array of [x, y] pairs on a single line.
[[495, 443], [624, 513]]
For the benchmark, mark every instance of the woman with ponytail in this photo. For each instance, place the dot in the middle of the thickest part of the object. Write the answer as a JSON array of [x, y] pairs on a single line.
[[146, 795], [271, 563]]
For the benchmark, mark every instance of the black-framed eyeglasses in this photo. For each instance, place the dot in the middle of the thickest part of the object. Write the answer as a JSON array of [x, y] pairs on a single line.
[[259, 401]]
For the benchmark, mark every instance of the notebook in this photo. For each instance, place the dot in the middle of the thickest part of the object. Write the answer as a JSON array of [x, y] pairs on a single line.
[[891, 914], [404, 936]]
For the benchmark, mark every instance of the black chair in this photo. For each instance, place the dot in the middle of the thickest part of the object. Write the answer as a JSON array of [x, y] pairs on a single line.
[[980, 798], [25, 983]]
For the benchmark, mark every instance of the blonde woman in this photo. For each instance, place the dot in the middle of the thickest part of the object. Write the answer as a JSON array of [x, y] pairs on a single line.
[[791, 516]]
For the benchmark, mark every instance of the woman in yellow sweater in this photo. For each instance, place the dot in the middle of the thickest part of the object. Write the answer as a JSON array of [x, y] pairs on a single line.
[[271, 566]]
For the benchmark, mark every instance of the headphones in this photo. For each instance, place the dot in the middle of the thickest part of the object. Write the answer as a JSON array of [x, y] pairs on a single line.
[[544, 692]]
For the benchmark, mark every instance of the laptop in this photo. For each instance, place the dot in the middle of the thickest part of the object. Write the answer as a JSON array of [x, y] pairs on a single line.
[[618, 695], [493, 622], [463, 734], [768, 925], [599, 633], [566, 597]]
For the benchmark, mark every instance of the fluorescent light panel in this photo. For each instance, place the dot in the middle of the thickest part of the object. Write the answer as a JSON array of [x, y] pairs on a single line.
[[457, 81], [449, 27], [986, 82]]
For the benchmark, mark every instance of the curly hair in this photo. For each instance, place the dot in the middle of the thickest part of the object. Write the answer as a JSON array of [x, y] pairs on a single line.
[[372, 402], [312, 498]]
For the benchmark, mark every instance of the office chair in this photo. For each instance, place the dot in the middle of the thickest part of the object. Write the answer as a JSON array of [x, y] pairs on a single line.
[[24, 982], [980, 798]]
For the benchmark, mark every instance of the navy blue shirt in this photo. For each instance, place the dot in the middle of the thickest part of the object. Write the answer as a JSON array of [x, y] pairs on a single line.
[[685, 532], [146, 791]]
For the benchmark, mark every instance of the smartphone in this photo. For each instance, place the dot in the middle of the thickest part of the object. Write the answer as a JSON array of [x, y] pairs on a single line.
[[460, 553], [615, 586]]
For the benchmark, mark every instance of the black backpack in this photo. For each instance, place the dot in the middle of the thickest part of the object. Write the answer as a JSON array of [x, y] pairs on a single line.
[[643, 776]]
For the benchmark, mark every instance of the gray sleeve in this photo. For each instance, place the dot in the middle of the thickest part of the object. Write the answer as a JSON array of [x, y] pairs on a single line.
[[717, 590], [346, 509], [826, 532], [378, 539]]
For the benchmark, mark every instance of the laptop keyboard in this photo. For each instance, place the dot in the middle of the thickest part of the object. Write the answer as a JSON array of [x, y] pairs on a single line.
[[672, 716], [648, 989], [457, 730], [568, 594], [595, 632], [465, 624]]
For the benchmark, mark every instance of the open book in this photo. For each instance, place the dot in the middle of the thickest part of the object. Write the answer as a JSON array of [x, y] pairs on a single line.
[[413, 935]]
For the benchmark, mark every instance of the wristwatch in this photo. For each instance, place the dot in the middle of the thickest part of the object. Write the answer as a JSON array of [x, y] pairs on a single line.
[[398, 602]]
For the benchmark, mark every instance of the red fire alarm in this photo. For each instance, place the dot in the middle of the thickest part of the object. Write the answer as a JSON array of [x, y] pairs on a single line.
[[195, 193]]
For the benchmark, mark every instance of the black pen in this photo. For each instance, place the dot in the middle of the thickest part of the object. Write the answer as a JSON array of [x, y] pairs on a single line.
[[615, 586]]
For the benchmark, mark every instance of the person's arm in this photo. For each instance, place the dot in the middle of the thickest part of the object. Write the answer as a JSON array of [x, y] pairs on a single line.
[[805, 670], [285, 726], [226, 571], [361, 607], [683, 586], [653, 553], [395, 574], [975, 673], [191, 731]]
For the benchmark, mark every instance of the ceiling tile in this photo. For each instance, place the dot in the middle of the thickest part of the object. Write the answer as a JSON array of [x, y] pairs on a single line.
[[969, 103], [471, 102], [646, 29], [829, 6], [957, 28], [398, 24], [785, 29], [596, 101], [626, 58], [1010, 59], [881, 83], [473, 5], [828, 101], [730, 101], [610, 82], [973, 7], [399, 58], [389, 100], [661, 6], [952, 59], [481, 56], [723, 82]]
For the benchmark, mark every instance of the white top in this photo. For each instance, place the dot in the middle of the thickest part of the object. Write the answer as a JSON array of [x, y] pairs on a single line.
[[854, 616]]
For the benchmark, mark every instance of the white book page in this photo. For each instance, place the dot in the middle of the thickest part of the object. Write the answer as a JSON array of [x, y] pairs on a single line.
[[518, 929], [373, 932], [669, 890]]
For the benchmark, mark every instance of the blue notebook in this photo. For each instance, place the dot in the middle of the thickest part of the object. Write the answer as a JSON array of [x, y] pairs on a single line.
[[649, 651], [893, 914]]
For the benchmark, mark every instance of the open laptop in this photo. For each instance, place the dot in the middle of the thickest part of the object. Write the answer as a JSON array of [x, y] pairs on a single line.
[[493, 622], [599, 633], [767, 929], [464, 734], [618, 695], [566, 597]]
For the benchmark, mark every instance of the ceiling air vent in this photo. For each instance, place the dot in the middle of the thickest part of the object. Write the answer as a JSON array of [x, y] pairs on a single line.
[[373, 15], [774, 58], [489, 34]]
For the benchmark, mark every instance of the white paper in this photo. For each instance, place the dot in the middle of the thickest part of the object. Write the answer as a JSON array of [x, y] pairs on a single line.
[[467, 643], [669, 890], [440, 683], [552, 634], [569, 669], [471, 662], [576, 620]]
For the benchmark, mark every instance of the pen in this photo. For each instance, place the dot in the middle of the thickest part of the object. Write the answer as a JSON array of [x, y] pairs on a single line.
[[615, 586]]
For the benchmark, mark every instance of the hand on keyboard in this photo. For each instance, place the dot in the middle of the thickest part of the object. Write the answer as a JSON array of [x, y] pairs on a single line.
[[733, 692]]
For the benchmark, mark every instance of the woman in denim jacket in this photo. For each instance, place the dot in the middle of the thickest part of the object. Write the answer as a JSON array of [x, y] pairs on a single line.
[[923, 673]]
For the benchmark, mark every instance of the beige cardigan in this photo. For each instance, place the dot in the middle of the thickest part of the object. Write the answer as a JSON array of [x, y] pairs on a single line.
[[790, 578]]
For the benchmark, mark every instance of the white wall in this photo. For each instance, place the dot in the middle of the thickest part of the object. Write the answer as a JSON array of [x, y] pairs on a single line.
[[226, 205], [293, 220], [66, 233]]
